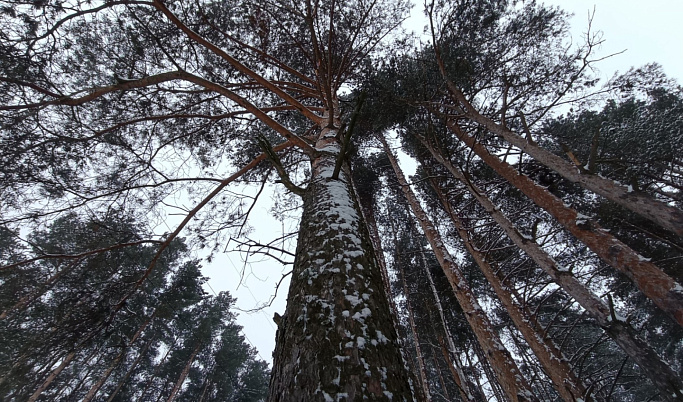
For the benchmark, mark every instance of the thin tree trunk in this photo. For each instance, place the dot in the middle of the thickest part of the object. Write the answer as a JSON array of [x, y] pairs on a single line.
[[506, 370], [103, 378], [555, 365], [184, 373], [336, 338], [623, 334], [442, 381], [652, 281], [664, 215], [456, 372], [122, 382], [466, 393], [31, 297], [418, 348], [52, 376], [488, 372], [156, 369]]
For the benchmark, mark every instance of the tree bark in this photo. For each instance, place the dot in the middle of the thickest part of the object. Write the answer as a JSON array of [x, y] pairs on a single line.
[[466, 394], [132, 367], [659, 287], [418, 348], [668, 217], [336, 339], [567, 384], [34, 397], [184, 373], [103, 378], [623, 334], [456, 372], [506, 370], [438, 371]]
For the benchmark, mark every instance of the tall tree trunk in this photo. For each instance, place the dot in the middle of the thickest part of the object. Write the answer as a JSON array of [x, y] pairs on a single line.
[[52, 376], [652, 281], [34, 295], [466, 393], [506, 370], [157, 368], [132, 367], [623, 334], [418, 348], [103, 378], [456, 372], [184, 373], [442, 381], [485, 363], [666, 216], [554, 364], [336, 339]]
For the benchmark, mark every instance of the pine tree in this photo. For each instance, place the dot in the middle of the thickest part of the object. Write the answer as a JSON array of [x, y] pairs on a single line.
[[109, 110]]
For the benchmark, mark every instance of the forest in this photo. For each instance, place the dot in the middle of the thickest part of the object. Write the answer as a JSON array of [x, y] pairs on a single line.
[[536, 253]]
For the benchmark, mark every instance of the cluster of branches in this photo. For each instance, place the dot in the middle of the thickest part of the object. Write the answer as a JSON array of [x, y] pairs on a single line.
[[64, 340], [570, 300], [561, 273]]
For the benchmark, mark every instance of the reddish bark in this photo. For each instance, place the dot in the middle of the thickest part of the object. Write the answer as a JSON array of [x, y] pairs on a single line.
[[558, 369], [623, 334], [507, 372], [659, 287]]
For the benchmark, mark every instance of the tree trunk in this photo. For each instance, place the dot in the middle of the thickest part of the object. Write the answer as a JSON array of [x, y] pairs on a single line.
[[456, 372], [556, 367], [623, 334], [442, 381], [506, 370], [336, 339], [52, 376], [652, 281], [465, 390], [418, 348], [103, 378], [156, 370], [184, 373], [122, 382], [664, 215]]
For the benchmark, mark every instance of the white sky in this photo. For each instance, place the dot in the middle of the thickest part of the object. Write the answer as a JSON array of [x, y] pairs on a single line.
[[648, 31]]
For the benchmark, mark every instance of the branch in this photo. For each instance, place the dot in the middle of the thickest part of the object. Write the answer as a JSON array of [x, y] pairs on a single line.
[[235, 63], [188, 218], [277, 164], [250, 107], [101, 91], [347, 137], [84, 12], [76, 256]]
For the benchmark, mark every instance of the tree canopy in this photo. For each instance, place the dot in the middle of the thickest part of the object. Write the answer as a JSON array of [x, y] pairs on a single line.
[[534, 255]]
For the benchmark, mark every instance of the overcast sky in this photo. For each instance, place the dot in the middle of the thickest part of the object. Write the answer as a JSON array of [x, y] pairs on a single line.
[[648, 31]]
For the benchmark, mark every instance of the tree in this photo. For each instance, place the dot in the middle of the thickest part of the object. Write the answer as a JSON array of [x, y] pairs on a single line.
[[124, 105], [61, 339], [233, 67]]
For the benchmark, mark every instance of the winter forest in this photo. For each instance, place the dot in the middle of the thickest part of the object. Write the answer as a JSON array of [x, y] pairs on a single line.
[[533, 253]]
